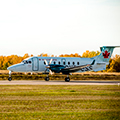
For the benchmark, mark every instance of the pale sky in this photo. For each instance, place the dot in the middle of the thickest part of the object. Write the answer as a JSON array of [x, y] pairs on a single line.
[[58, 26]]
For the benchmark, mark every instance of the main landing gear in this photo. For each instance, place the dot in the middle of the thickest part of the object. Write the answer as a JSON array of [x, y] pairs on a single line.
[[47, 78], [67, 79], [10, 78]]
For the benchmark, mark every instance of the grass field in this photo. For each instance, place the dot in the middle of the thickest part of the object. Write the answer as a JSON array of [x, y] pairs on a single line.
[[52, 102]]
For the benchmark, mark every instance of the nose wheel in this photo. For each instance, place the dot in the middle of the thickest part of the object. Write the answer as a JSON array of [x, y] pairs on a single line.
[[10, 78]]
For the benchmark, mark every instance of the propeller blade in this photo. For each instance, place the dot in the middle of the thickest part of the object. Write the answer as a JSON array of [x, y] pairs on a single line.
[[45, 62], [50, 62]]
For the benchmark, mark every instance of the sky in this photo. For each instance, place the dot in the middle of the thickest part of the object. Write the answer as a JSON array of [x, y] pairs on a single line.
[[58, 26]]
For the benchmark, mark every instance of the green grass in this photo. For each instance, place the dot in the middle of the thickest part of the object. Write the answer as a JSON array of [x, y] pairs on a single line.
[[61, 102]]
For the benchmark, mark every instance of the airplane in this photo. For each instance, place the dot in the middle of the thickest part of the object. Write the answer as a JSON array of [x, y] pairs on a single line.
[[64, 65]]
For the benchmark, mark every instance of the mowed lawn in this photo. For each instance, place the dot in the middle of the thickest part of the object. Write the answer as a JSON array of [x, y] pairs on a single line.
[[59, 102]]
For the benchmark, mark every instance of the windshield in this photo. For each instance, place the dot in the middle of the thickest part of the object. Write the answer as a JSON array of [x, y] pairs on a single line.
[[25, 61]]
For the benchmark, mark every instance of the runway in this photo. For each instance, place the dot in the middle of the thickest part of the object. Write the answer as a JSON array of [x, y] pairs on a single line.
[[55, 82]]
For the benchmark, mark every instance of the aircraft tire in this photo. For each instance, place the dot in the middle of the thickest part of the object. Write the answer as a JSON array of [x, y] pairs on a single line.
[[47, 79], [9, 78], [67, 79]]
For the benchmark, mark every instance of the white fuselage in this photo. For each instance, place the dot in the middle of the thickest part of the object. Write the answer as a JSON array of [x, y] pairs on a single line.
[[37, 64]]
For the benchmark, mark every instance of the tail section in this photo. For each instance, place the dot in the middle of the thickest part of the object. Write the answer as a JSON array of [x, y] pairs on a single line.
[[106, 53], [103, 59]]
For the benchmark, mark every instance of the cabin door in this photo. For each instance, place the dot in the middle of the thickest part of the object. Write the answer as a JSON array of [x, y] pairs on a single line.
[[35, 64]]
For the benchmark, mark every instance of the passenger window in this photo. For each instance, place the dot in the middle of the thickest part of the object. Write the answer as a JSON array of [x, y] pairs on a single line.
[[68, 63], [44, 63], [54, 62], [73, 63], [78, 63], [59, 62], [63, 63], [30, 62]]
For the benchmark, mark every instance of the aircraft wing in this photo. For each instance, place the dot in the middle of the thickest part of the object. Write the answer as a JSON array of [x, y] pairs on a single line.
[[68, 70]]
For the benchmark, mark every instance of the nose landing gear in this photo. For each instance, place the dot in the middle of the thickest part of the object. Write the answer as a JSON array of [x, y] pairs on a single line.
[[10, 78]]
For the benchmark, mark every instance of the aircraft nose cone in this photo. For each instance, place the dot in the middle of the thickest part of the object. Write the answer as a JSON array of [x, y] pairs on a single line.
[[11, 68], [16, 68], [8, 68]]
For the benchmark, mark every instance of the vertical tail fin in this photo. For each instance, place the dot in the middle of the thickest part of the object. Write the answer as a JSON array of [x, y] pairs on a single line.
[[106, 53], [103, 59]]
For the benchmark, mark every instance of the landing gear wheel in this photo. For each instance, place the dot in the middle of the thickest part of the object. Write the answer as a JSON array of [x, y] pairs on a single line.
[[47, 79], [67, 79], [9, 78]]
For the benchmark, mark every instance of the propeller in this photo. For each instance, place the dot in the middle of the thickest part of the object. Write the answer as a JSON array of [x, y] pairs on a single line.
[[48, 66]]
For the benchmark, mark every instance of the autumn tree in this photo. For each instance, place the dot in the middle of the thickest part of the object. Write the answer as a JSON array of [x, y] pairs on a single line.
[[52, 55], [71, 55], [26, 56], [31, 55], [61, 55], [6, 61], [89, 54], [114, 64], [1, 62], [45, 55]]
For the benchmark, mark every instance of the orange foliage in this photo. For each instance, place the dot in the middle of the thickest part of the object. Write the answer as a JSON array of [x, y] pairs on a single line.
[[89, 54], [71, 55], [6, 61]]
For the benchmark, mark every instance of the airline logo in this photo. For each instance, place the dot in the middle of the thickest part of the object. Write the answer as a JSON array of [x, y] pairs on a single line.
[[106, 54]]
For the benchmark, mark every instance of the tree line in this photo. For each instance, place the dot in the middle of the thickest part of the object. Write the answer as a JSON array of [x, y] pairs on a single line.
[[114, 66]]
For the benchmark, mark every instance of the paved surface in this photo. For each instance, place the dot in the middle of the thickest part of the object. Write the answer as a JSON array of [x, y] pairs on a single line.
[[53, 82]]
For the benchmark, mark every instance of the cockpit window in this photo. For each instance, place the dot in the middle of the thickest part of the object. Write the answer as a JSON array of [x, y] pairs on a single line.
[[25, 61]]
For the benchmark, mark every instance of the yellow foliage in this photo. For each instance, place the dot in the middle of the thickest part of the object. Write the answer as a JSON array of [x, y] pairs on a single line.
[[114, 65], [45, 55], [6, 61], [71, 55], [89, 54], [26, 56]]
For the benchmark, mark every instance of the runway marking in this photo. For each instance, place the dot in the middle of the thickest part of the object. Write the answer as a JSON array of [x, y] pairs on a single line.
[[54, 82]]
